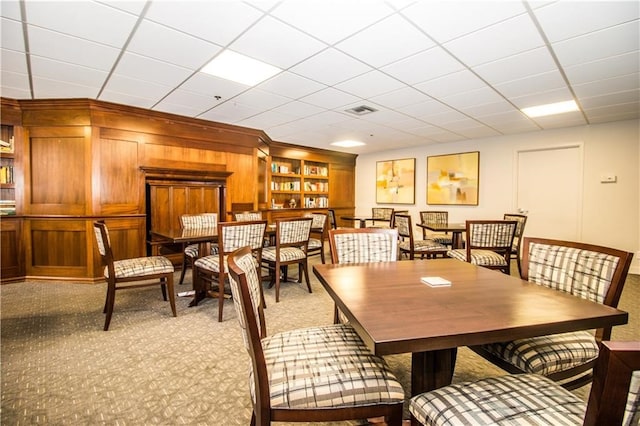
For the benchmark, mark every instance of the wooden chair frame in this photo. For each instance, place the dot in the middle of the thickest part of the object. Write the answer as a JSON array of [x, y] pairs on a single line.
[[515, 248], [164, 280], [320, 233], [185, 222], [263, 413], [612, 298], [412, 242]]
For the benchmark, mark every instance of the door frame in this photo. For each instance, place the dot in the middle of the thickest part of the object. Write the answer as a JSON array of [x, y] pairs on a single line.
[[555, 147]]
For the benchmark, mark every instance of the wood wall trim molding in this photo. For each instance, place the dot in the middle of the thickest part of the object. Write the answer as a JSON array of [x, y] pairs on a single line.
[[185, 174]]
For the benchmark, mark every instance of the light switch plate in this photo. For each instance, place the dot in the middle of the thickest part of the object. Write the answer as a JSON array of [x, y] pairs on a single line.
[[608, 178]]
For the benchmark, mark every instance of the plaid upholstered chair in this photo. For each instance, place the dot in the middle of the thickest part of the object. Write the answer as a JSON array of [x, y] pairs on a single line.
[[231, 236], [410, 246], [517, 238], [535, 399], [588, 271], [381, 214], [318, 235], [292, 240], [441, 218], [323, 373], [131, 273], [247, 216], [190, 251], [488, 244], [361, 245]]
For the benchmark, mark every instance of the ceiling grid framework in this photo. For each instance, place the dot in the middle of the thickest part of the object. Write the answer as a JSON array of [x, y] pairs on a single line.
[[434, 71]]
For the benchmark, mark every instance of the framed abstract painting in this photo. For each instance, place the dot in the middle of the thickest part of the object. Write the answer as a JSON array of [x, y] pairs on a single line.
[[395, 181], [453, 179]]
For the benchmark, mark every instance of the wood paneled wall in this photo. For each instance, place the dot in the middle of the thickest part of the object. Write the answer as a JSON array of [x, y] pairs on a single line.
[[82, 160]]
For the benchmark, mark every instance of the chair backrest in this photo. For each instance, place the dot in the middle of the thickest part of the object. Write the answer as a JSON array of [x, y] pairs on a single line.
[[495, 235], [293, 232], [381, 213], [588, 271], [403, 224], [361, 245], [614, 397], [319, 221], [431, 216], [522, 221], [247, 216], [234, 235], [104, 245], [249, 305], [332, 219], [392, 223], [200, 220]]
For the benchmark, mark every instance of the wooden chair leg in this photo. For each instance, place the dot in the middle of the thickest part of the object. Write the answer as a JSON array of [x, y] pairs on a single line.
[[276, 272], [111, 296], [221, 280], [163, 289], [172, 294], [303, 265], [184, 268]]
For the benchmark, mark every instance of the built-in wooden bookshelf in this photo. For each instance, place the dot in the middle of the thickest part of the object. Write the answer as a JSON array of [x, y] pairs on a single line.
[[298, 183], [7, 179]]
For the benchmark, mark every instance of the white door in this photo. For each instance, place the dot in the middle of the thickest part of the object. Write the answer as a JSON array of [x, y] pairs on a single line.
[[549, 191]]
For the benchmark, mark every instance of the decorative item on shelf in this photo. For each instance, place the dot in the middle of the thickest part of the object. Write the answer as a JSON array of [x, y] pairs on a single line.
[[292, 203], [6, 146]]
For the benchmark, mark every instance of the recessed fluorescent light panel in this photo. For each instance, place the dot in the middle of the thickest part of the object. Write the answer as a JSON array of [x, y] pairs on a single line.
[[239, 68], [551, 109], [347, 144]]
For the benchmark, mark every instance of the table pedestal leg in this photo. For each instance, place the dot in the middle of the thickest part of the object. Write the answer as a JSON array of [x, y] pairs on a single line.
[[198, 286], [432, 370]]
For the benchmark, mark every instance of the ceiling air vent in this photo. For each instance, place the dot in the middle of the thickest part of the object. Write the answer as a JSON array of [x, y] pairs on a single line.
[[361, 110]]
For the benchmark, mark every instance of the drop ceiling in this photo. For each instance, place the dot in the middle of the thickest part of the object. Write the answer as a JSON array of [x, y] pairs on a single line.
[[433, 71]]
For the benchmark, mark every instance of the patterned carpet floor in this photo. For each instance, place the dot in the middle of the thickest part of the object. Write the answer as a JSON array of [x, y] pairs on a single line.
[[58, 366]]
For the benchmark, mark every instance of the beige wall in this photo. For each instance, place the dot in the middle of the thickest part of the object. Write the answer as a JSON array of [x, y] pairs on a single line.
[[610, 213]]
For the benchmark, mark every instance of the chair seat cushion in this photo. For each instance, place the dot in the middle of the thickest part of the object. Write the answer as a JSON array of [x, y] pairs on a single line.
[[192, 250], [314, 243], [524, 399], [422, 246], [326, 366], [441, 238], [479, 257], [211, 263], [287, 254], [140, 266], [548, 354]]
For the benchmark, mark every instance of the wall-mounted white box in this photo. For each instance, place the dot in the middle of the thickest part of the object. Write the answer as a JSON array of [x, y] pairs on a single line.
[[608, 178]]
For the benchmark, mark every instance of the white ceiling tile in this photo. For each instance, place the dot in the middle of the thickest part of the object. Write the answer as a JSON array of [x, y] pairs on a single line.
[[451, 84], [509, 122], [613, 66], [481, 96], [61, 71], [558, 19], [549, 97], [291, 85], [567, 119], [521, 65], [142, 88], [426, 65], [489, 108], [213, 86], [617, 98], [138, 67], [445, 20], [533, 84], [369, 84], [330, 67], [46, 88], [132, 6], [500, 40], [13, 61], [386, 42], [10, 9], [218, 22], [86, 19], [611, 85], [331, 20], [611, 42], [159, 42], [265, 120], [477, 132], [424, 109], [298, 109], [230, 112], [127, 99], [613, 113], [261, 99], [326, 118], [179, 109], [196, 102], [11, 35], [385, 116], [400, 97], [14, 82], [266, 39], [329, 98], [54, 45], [443, 118]]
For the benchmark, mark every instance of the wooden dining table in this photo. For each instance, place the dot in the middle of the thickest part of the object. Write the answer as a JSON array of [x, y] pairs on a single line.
[[456, 229], [394, 312]]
